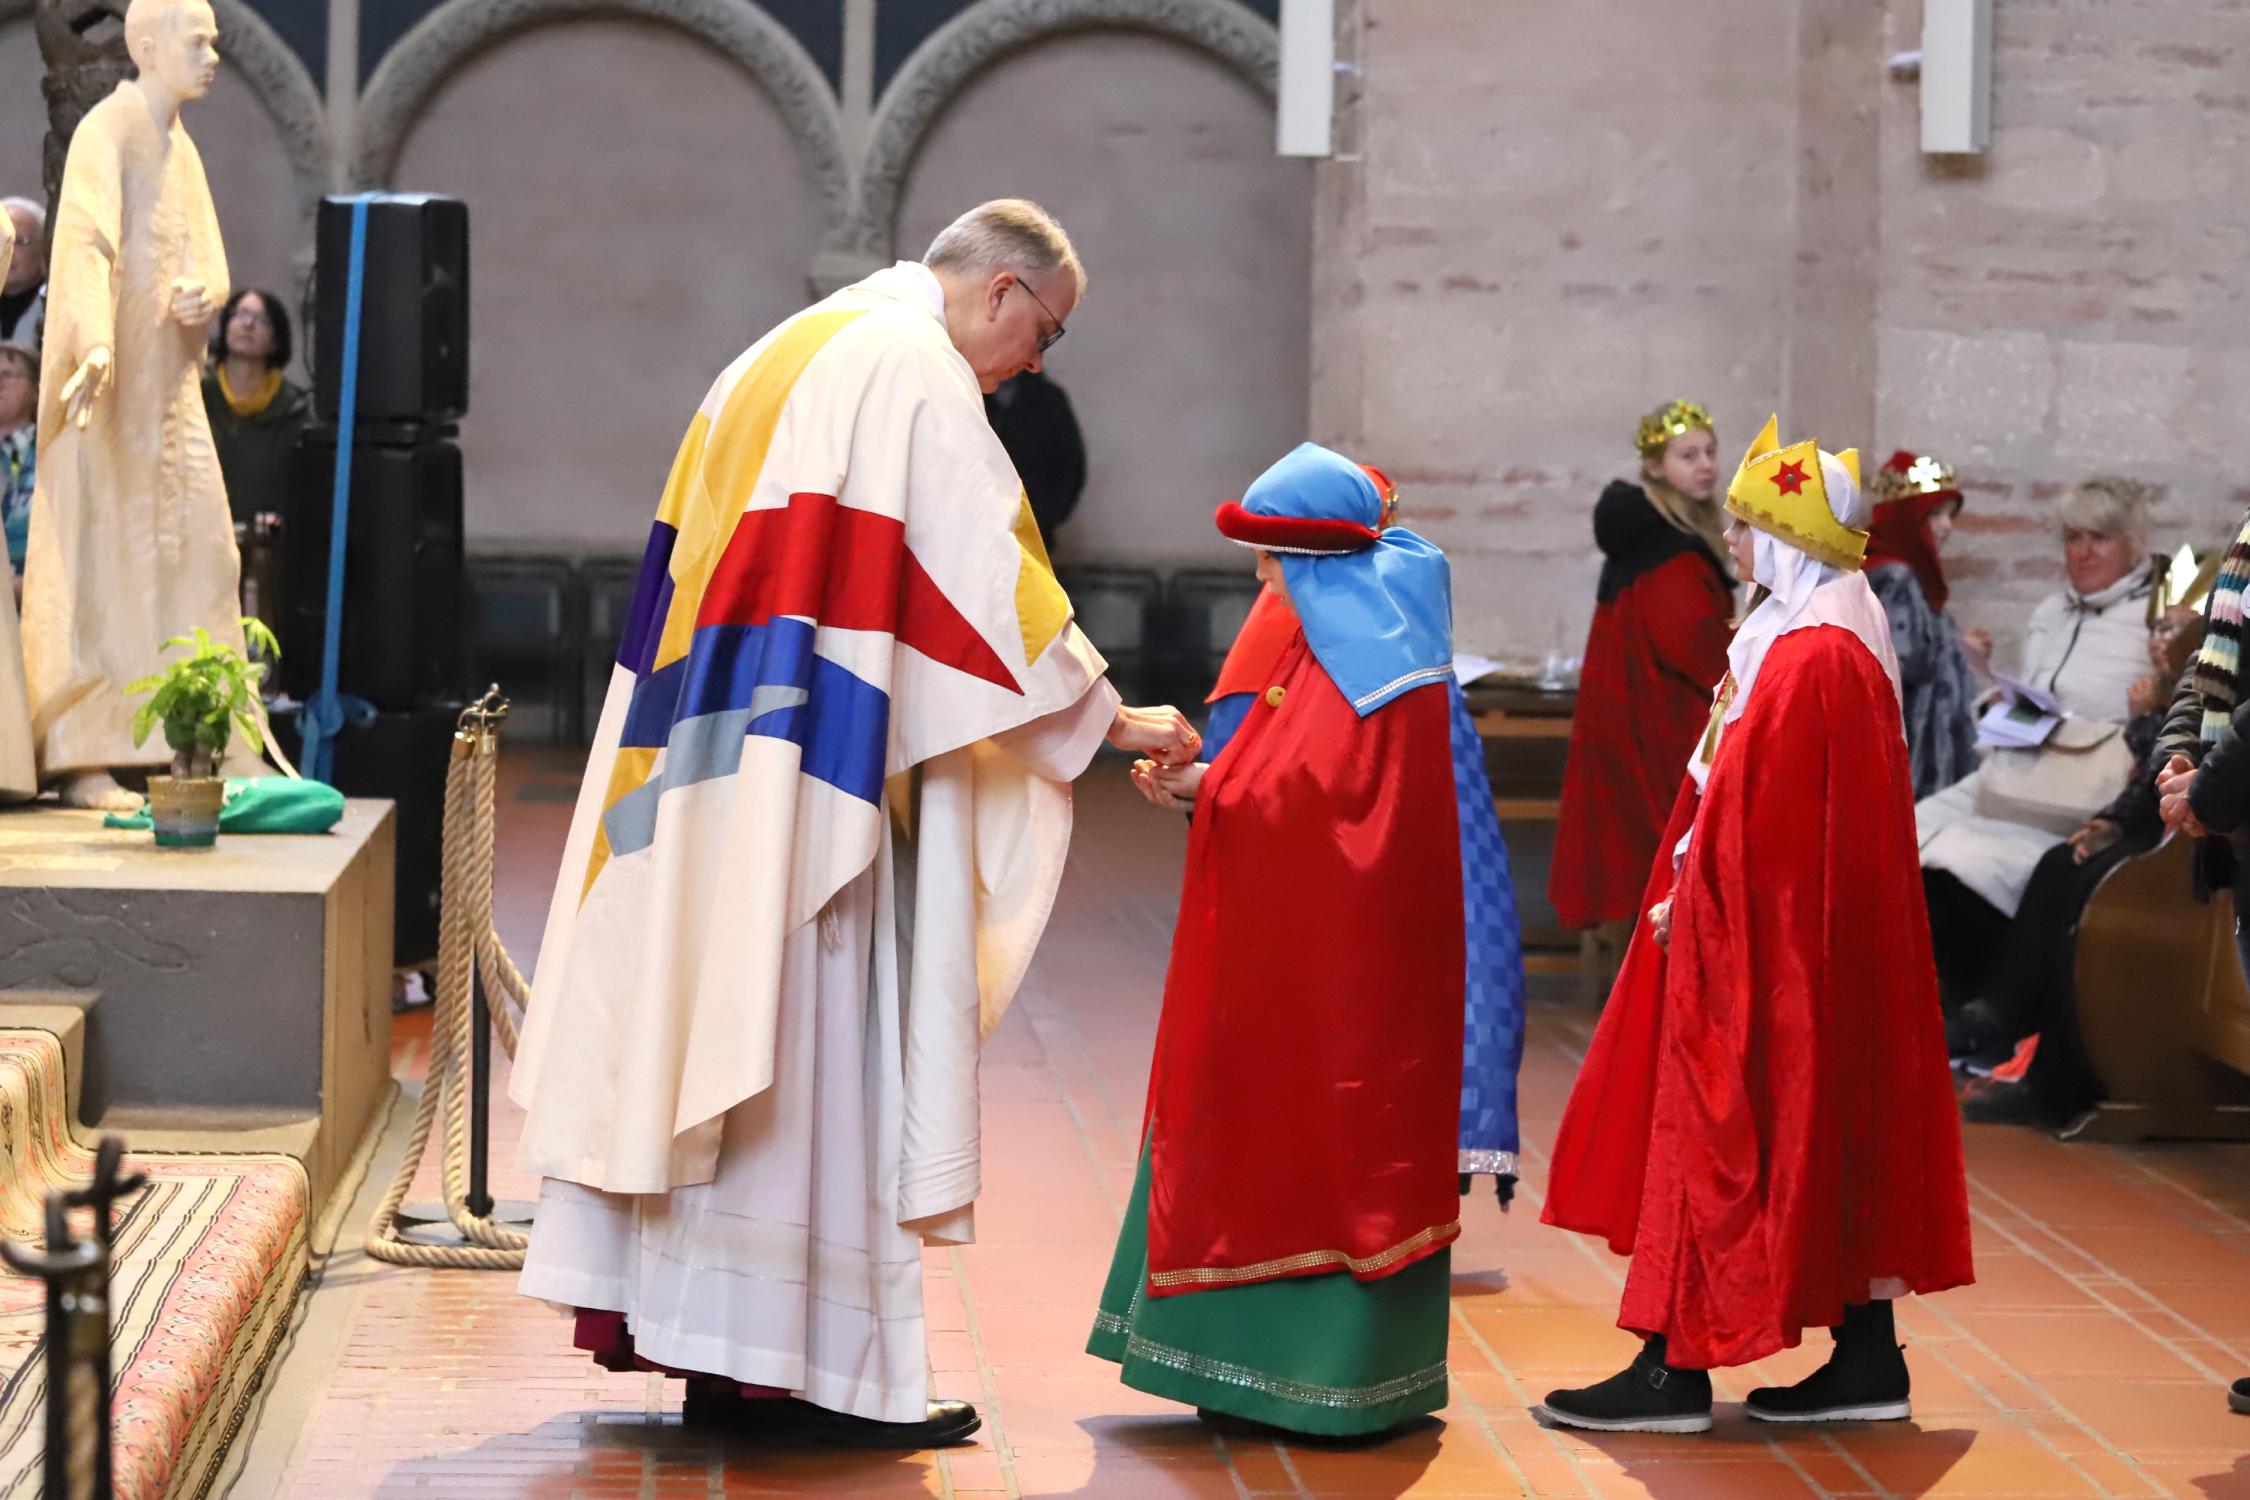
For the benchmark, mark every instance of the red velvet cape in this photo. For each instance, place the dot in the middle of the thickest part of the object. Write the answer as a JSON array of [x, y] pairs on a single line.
[[1305, 1101], [1765, 1121], [1653, 657]]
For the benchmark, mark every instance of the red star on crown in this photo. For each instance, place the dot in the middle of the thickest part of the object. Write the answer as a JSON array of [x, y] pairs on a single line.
[[1789, 479]]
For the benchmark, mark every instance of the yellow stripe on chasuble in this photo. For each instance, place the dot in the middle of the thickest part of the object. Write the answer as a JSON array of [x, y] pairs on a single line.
[[712, 479], [1042, 608]]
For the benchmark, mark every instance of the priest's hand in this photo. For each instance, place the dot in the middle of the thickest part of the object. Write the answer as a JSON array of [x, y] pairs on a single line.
[[1977, 646], [1162, 734], [85, 387], [192, 304], [1168, 786], [1660, 923]]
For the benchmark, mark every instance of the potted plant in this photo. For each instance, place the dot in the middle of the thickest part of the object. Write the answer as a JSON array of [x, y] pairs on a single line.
[[200, 699]]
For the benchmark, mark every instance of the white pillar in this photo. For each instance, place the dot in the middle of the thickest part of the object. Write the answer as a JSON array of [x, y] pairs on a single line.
[[856, 94]]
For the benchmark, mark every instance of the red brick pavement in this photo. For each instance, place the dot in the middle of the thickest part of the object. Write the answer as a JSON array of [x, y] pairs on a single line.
[[2113, 1305]]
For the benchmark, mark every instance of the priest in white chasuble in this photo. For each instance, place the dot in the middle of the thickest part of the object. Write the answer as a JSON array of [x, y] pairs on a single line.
[[131, 540], [820, 834]]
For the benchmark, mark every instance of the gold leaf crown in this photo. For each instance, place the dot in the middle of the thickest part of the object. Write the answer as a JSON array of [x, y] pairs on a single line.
[[1782, 492], [1668, 422], [1909, 474]]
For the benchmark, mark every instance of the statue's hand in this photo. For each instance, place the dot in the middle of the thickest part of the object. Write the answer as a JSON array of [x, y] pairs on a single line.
[[192, 306], [85, 387]]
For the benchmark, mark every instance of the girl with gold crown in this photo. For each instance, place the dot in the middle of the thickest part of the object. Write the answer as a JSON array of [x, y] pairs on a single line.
[[1764, 1121], [1663, 610]]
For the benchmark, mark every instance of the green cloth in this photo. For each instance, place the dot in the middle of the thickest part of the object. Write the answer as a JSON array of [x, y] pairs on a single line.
[[263, 804], [1326, 1355]]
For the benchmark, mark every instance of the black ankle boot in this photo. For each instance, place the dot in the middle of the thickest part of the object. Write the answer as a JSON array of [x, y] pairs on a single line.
[[1646, 1396], [1865, 1380]]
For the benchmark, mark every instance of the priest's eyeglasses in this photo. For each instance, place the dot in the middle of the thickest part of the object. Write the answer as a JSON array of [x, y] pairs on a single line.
[[1046, 340]]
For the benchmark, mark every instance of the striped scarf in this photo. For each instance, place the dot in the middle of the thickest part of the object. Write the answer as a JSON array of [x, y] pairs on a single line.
[[2218, 664]]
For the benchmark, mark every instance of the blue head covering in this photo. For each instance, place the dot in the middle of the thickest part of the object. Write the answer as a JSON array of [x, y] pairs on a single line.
[[1379, 618]]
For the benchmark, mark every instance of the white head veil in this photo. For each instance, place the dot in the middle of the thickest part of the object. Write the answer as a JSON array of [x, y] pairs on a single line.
[[1802, 592]]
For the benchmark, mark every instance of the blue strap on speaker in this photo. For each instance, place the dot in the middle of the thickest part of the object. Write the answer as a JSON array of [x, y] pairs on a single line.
[[325, 716]]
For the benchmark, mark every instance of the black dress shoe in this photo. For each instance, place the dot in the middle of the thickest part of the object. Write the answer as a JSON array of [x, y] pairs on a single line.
[[1865, 1379], [792, 1420], [2238, 1397], [1646, 1396], [1971, 1029]]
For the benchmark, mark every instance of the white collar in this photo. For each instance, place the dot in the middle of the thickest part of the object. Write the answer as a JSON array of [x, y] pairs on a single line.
[[911, 282]]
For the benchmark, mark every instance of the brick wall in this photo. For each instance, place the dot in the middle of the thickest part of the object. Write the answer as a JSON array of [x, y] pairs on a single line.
[[1543, 218]]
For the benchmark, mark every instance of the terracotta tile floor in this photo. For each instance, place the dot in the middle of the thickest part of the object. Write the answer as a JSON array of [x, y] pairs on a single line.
[[2091, 1359]]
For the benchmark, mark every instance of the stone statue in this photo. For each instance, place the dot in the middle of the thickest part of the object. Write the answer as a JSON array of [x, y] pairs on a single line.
[[131, 541], [19, 778]]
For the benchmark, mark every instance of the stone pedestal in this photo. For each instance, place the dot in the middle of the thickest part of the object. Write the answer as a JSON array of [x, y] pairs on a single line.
[[236, 998]]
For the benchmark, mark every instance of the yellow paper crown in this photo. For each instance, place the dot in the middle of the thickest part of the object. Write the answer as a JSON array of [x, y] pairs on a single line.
[[1668, 422], [1781, 492]]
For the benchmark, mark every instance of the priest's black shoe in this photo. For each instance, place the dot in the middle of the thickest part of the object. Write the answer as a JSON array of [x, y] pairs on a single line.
[[1646, 1396], [2238, 1396], [791, 1420], [1865, 1379]]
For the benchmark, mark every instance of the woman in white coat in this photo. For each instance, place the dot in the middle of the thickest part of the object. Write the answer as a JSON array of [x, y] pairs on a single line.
[[2086, 645]]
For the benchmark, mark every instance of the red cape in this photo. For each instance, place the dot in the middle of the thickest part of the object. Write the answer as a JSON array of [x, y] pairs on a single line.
[[1654, 655], [1305, 1102], [1900, 533], [1765, 1121], [1257, 650]]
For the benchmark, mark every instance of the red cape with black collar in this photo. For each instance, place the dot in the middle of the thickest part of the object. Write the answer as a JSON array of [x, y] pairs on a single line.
[[1304, 1105], [1653, 655], [1765, 1121]]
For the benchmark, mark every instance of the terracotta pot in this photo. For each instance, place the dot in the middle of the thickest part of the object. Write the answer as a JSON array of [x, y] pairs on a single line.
[[185, 814]]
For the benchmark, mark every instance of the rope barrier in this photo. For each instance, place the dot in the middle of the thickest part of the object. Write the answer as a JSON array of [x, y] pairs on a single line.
[[468, 948]]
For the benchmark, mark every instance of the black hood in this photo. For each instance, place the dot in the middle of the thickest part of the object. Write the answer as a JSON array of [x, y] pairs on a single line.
[[1635, 538]]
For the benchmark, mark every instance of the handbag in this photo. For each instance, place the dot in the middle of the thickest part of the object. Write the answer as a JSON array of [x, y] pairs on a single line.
[[2057, 786]]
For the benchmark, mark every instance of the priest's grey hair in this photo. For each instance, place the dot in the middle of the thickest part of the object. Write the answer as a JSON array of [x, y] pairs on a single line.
[[2110, 505], [1007, 234]]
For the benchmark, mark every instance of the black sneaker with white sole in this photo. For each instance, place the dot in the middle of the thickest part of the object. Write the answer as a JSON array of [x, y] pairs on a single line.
[[1646, 1396], [1865, 1379]]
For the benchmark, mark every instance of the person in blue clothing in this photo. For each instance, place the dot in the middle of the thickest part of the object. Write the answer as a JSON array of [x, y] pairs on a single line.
[[1493, 1039]]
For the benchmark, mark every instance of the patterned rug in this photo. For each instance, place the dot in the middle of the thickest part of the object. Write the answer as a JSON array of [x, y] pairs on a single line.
[[209, 1259]]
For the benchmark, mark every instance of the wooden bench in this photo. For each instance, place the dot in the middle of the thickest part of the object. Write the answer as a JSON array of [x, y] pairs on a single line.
[[2163, 1012]]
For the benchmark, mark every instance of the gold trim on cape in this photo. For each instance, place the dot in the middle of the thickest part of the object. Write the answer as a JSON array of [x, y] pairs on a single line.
[[1266, 1270]]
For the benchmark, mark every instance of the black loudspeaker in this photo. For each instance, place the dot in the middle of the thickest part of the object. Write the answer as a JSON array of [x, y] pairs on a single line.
[[414, 309], [404, 757], [403, 584]]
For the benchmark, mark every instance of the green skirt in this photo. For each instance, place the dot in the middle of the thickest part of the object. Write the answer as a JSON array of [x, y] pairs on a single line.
[[1327, 1355]]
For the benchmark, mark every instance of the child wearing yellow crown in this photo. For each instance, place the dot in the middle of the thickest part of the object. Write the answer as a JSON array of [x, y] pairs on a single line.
[[1764, 1121]]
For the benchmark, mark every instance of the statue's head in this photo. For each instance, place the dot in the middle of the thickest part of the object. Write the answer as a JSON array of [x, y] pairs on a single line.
[[175, 44]]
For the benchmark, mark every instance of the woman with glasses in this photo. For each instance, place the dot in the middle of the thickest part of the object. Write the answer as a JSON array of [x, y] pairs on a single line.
[[257, 413]]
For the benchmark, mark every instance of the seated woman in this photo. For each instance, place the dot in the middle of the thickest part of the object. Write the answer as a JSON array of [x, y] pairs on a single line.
[[19, 442], [1493, 1030], [2088, 644], [2031, 991], [1284, 1256], [1663, 610], [1915, 503]]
